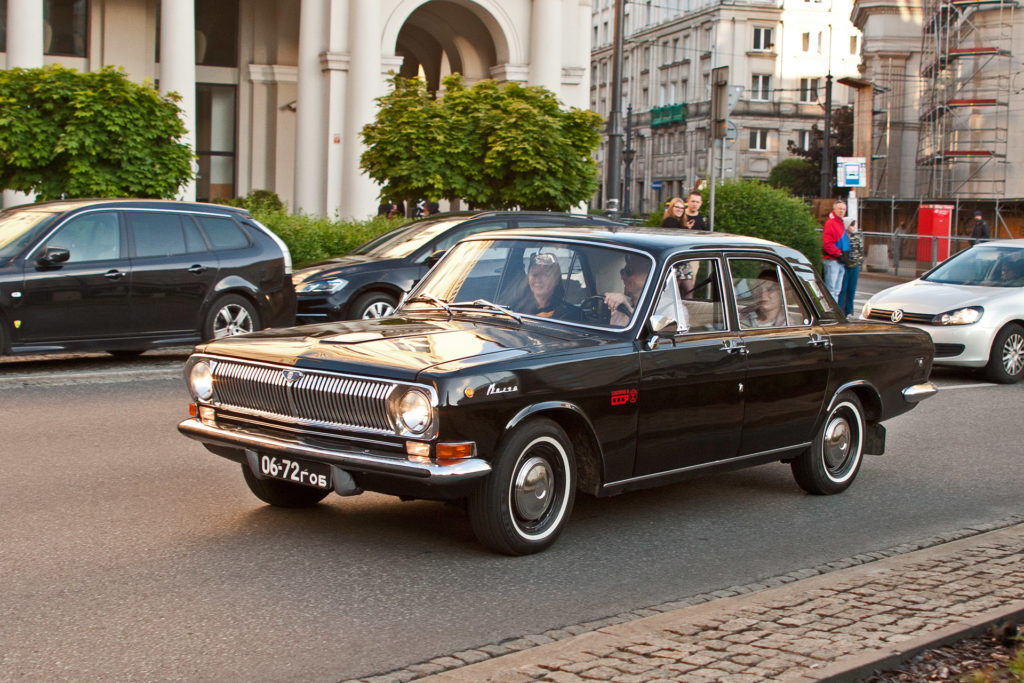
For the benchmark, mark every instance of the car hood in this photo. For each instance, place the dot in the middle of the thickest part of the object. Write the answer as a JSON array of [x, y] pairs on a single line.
[[920, 296], [400, 348], [339, 267]]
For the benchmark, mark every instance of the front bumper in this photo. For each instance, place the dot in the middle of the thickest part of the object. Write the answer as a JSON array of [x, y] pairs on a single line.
[[960, 345], [350, 459]]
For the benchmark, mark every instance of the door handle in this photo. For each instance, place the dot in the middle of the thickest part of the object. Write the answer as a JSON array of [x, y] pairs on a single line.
[[819, 340], [735, 346], [113, 274], [197, 269]]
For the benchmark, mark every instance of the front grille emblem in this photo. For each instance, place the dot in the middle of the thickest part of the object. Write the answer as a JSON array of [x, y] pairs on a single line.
[[897, 315], [292, 376]]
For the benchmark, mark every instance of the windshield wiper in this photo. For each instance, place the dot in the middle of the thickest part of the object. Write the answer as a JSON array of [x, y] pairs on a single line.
[[484, 303], [433, 299]]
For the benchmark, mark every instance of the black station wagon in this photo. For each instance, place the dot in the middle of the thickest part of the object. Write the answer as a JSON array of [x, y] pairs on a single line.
[[532, 364], [127, 275]]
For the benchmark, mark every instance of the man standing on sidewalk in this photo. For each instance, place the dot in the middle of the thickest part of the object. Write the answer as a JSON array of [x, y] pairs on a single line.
[[979, 229], [831, 251]]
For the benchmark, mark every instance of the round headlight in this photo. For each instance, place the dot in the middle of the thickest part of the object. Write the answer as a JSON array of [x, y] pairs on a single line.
[[414, 412], [201, 379]]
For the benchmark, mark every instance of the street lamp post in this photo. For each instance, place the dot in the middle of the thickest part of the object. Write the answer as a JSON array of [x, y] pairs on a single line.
[[613, 183], [627, 159]]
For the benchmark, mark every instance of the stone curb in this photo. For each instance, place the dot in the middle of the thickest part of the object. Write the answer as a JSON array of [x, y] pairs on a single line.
[[490, 660]]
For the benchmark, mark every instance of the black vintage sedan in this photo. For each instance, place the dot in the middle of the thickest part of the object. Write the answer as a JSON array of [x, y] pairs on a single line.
[[127, 275], [532, 364]]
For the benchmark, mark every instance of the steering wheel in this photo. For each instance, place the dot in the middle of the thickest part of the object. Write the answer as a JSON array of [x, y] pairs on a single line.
[[595, 310]]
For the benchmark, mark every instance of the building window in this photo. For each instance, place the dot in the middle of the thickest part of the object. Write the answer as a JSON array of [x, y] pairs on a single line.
[[593, 73], [64, 27], [625, 68], [686, 47], [761, 88], [666, 54], [803, 140], [675, 50], [684, 87], [805, 41], [645, 98], [216, 33], [759, 140], [763, 39], [215, 141], [707, 86], [808, 90], [853, 45], [604, 72], [647, 58], [595, 35], [604, 33]]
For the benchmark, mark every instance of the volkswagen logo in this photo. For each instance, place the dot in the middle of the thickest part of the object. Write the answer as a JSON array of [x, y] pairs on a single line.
[[292, 376], [897, 315]]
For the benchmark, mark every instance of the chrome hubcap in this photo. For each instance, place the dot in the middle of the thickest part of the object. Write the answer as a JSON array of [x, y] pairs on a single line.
[[1013, 354], [531, 492], [232, 319], [836, 444]]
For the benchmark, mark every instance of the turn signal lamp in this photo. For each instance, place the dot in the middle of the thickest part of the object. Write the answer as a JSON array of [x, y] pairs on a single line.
[[453, 453]]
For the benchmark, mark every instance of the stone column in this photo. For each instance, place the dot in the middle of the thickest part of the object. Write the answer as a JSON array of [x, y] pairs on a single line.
[[358, 191], [24, 50], [546, 44], [310, 133], [178, 68]]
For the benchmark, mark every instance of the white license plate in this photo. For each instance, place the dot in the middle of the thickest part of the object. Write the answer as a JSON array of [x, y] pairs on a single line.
[[302, 472]]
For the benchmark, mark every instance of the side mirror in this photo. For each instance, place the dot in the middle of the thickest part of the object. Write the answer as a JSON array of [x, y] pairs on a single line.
[[435, 257], [663, 327], [53, 255]]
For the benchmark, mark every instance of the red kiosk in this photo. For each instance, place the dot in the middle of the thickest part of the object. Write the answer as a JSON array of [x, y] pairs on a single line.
[[933, 221]]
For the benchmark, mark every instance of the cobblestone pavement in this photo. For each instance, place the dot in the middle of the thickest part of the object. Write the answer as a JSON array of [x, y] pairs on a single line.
[[837, 622]]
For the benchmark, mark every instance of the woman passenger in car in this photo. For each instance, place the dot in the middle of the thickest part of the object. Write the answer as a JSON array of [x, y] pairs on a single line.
[[546, 298], [768, 309]]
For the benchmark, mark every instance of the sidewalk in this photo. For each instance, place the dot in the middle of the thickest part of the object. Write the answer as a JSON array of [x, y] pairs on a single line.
[[838, 624]]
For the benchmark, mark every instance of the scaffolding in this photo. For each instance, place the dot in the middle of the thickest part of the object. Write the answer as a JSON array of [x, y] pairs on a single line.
[[966, 70]]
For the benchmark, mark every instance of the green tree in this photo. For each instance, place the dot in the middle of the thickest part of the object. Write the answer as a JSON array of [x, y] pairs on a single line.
[[750, 207], [494, 145], [797, 175], [840, 144], [98, 134]]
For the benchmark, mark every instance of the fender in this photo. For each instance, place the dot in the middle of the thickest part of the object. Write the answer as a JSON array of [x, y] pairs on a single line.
[[874, 431], [234, 282], [590, 463]]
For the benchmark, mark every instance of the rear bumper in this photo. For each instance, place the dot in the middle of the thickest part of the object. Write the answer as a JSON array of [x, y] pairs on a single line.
[[919, 392]]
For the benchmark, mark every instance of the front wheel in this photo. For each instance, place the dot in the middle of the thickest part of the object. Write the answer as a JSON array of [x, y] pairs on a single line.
[[524, 504], [1006, 361], [832, 461], [282, 493], [373, 305], [230, 315]]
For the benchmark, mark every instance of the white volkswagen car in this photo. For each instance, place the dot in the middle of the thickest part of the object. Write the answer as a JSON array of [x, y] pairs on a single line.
[[972, 305]]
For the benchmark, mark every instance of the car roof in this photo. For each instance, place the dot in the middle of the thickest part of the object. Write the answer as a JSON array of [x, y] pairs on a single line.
[[651, 239], [472, 215], [66, 205]]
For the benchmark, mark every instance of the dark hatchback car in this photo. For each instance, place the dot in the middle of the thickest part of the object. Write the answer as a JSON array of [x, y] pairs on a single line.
[[369, 281], [529, 365], [127, 275]]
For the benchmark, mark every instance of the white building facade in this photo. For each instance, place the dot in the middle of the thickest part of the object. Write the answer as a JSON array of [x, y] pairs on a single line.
[[778, 51], [276, 92]]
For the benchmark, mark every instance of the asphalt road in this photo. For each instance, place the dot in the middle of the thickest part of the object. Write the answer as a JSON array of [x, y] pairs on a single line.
[[130, 553]]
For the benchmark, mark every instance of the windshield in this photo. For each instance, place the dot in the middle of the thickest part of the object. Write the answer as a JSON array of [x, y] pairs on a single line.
[[404, 240], [19, 228], [563, 281], [988, 266]]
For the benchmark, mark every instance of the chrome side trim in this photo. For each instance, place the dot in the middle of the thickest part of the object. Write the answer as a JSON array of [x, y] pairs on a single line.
[[358, 461], [919, 392], [691, 468]]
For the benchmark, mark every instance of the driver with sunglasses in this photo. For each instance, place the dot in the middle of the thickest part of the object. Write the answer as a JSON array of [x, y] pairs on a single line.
[[634, 274]]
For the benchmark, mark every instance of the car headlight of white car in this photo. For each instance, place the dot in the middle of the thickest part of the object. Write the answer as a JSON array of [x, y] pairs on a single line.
[[959, 316], [323, 286]]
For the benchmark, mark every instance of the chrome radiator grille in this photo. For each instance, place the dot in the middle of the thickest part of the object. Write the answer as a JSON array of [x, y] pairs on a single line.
[[304, 395]]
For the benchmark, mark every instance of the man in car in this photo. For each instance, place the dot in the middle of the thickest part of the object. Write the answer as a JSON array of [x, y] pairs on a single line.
[[633, 275]]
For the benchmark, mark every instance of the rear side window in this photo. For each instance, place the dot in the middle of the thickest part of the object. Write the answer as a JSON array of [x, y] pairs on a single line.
[[163, 234], [223, 233]]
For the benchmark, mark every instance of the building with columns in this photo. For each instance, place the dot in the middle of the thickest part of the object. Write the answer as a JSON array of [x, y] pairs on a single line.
[[276, 92]]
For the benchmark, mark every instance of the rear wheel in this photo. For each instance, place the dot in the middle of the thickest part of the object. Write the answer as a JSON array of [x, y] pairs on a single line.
[[524, 504], [373, 305], [833, 459], [231, 314], [1006, 361], [282, 493]]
